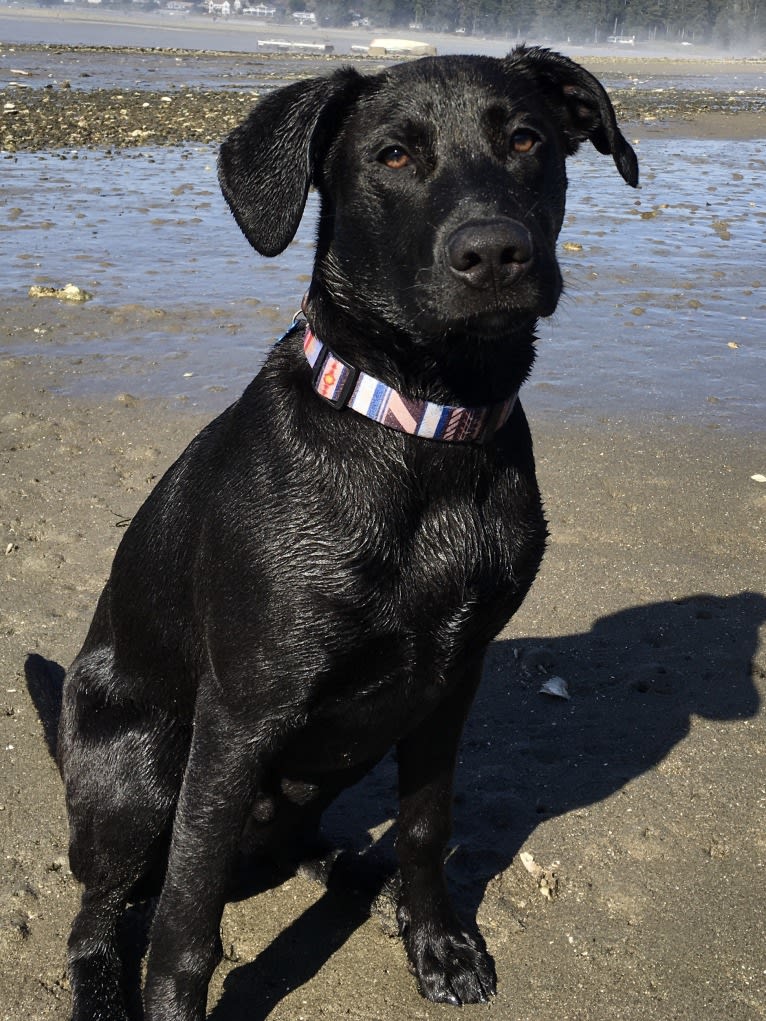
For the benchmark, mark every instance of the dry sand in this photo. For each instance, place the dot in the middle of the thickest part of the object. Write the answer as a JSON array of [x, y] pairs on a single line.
[[642, 797]]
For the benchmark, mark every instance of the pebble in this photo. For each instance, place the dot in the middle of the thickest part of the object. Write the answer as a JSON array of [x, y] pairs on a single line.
[[70, 292]]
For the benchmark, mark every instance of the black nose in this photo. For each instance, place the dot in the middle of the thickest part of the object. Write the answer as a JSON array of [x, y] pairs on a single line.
[[487, 253]]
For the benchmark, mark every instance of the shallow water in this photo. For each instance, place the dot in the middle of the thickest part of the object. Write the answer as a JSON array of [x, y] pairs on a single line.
[[254, 70], [132, 69], [663, 315]]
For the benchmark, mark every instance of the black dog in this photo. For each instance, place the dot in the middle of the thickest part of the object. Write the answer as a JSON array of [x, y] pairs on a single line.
[[318, 576]]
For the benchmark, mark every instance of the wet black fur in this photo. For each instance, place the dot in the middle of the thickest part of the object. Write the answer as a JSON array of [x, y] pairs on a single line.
[[306, 588]]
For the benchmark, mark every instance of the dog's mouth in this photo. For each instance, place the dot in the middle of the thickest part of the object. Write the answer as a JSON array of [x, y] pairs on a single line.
[[491, 326], [490, 276], [495, 319], [499, 308]]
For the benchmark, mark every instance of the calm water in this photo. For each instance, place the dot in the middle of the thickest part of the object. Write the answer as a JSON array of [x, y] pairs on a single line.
[[664, 312]]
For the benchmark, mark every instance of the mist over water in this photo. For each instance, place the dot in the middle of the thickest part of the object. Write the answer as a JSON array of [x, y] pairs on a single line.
[[84, 26]]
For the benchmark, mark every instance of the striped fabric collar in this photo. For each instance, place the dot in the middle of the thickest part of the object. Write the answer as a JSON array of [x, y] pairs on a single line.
[[343, 386]]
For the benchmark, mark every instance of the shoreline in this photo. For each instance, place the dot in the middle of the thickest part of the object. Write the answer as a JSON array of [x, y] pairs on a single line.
[[65, 95], [42, 119]]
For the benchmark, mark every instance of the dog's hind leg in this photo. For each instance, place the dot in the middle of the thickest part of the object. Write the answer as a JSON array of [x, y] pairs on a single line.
[[122, 768], [451, 965]]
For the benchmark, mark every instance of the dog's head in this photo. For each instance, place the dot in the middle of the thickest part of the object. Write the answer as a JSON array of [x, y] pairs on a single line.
[[442, 185]]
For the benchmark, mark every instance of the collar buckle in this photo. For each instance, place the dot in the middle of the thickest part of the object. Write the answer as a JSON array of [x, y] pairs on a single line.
[[334, 379]]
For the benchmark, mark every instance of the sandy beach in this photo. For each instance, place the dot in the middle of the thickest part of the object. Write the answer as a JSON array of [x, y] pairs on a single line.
[[641, 798]]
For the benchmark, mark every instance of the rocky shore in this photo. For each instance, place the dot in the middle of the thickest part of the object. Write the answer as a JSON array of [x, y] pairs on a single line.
[[41, 119], [65, 115]]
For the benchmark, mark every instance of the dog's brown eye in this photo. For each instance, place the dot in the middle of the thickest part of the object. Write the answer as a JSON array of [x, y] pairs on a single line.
[[395, 158], [523, 141]]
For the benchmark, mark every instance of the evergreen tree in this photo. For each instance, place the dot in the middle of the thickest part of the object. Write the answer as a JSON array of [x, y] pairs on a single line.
[[728, 23]]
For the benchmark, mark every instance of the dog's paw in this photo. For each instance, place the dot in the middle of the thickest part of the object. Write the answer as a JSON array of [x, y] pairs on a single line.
[[451, 966]]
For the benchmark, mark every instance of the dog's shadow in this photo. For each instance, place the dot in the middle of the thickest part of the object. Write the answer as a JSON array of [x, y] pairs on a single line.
[[636, 679]]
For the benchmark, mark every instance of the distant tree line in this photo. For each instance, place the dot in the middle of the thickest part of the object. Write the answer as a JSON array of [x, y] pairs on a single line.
[[727, 23]]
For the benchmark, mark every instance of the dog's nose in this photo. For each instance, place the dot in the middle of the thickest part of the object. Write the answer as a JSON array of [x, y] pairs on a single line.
[[486, 253]]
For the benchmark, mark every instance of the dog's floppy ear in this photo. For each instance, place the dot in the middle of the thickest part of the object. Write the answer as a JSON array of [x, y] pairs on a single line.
[[266, 164], [582, 99]]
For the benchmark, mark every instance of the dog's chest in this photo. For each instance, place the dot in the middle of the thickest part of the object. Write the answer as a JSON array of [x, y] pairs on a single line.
[[429, 571], [393, 672], [401, 620]]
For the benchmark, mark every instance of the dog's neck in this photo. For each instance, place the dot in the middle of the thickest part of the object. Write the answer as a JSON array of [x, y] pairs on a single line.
[[343, 386], [454, 369]]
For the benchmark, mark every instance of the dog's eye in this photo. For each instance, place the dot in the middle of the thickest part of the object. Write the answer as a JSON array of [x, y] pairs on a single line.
[[394, 157], [524, 140]]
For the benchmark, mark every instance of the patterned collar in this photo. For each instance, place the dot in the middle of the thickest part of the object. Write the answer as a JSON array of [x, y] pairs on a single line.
[[343, 386]]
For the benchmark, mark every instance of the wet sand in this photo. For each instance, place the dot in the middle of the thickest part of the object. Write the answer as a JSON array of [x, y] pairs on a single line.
[[642, 797]]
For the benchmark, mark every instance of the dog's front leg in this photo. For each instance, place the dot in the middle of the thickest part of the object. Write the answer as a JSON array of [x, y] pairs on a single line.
[[451, 966], [215, 798]]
